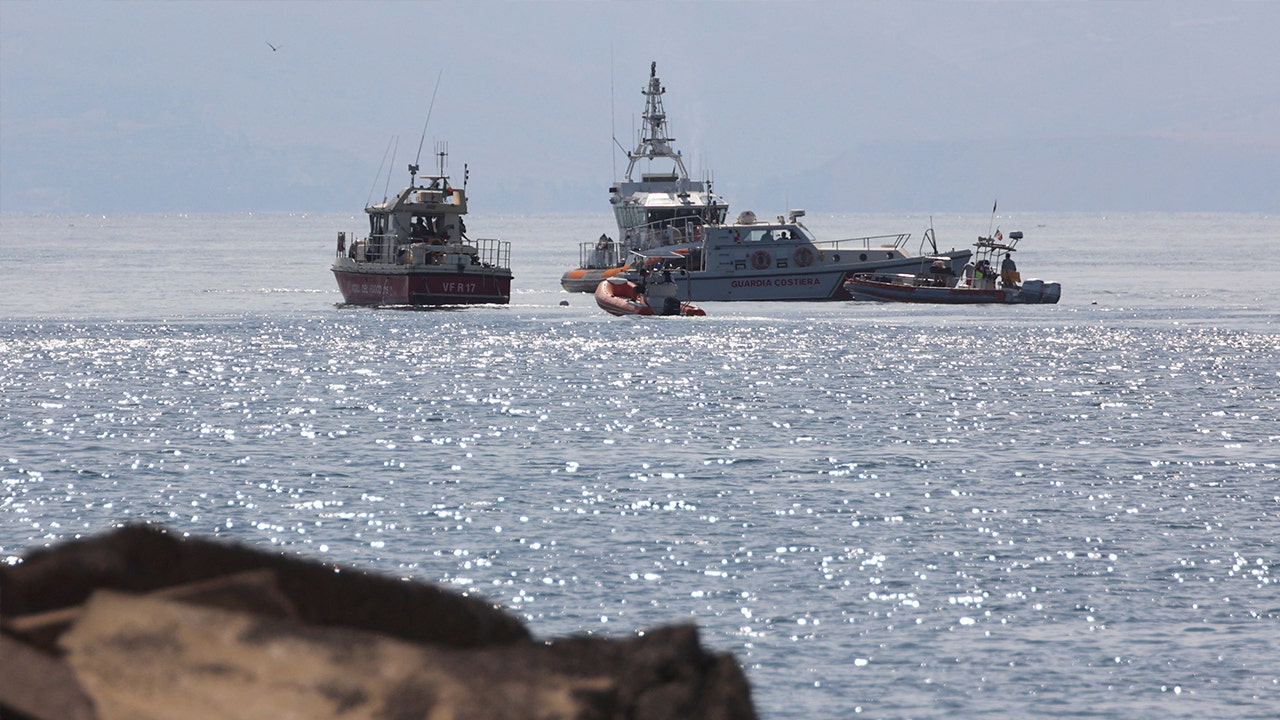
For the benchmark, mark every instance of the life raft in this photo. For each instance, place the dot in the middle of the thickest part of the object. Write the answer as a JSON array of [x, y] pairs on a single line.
[[619, 296]]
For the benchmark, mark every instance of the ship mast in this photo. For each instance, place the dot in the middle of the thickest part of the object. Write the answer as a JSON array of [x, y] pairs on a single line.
[[654, 142]]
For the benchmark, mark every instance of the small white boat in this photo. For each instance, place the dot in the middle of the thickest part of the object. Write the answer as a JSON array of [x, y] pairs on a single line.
[[977, 283]]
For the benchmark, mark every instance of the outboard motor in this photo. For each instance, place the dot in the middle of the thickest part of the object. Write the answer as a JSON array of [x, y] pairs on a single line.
[[662, 296]]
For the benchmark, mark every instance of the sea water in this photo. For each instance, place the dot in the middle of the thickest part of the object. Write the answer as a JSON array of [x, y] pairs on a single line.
[[887, 511]]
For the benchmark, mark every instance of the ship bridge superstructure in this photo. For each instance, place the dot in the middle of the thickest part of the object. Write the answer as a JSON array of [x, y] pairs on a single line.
[[666, 203]]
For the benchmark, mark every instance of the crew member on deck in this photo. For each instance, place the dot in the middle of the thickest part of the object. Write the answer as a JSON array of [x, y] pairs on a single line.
[[1009, 272], [601, 258], [982, 276], [939, 272]]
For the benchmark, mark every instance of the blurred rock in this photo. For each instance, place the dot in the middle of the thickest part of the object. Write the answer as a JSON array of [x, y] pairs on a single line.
[[139, 623], [143, 559]]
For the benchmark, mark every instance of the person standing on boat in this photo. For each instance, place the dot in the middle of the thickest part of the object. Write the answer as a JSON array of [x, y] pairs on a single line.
[[601, 258], [1009, 272], [982, 275]]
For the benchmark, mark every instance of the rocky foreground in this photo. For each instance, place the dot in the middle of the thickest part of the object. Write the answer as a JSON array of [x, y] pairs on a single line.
[[143, 624]]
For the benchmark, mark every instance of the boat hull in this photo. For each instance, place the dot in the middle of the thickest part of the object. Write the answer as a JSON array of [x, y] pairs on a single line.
[[424, 287], [740, 282], [731, 287], [819, 281], [867, 288], [621, 297], [587, 279]]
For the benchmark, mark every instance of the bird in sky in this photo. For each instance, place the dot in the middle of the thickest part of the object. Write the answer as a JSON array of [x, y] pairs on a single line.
[[273, 47]]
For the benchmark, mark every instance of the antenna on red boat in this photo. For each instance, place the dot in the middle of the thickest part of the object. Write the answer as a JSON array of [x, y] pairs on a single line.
[[387, 186], [374, 186], [442, 152], [613, 122], [413, 168]]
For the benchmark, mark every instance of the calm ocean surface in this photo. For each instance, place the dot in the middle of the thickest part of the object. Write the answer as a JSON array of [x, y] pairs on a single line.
[[882, 511]]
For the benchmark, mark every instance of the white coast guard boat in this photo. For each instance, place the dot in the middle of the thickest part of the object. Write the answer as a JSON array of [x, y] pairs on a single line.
[[659, 209], [755, 260]]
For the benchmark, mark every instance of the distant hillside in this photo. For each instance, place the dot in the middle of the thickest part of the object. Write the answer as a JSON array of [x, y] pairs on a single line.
[[1071, 174]]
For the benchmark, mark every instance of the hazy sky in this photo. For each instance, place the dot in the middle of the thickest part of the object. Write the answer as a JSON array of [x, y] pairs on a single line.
[[831, 106]]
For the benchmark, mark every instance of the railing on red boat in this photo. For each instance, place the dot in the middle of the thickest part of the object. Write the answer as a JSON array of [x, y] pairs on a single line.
[[486, 252]]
